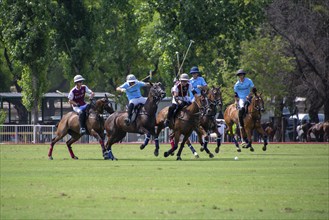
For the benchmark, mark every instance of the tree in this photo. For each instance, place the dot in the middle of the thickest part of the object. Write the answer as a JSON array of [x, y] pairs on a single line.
[[269, 67], [25, 34], [304, 25]]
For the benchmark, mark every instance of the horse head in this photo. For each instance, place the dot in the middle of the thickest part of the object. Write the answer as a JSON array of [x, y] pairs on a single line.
[[215, 95], [257, 102], [214, 99], [103, 104], [201, 101], [156, 92]]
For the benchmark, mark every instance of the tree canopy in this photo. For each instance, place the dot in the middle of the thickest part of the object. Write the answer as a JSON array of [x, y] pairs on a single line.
[[106, 40]]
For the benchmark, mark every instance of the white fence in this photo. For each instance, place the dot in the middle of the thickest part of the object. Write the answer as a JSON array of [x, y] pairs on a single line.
[[27, 134]]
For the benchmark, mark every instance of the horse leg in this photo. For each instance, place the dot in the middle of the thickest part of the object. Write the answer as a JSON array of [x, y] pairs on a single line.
[[69, 148], [189, 144], [181, 148], [99, 138], [262, 132], [108, 155], [59, 136], [171, 150], [249, 140], [146, 141], [51, 148], [219, 141], [205, 146]]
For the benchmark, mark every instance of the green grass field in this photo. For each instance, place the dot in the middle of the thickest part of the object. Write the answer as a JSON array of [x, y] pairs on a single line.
[[289, 181]]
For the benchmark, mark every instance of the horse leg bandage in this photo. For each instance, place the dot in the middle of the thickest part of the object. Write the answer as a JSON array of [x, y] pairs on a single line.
[[191, 148]]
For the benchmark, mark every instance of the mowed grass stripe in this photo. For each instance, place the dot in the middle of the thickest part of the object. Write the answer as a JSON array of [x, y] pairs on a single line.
[[285, 182]]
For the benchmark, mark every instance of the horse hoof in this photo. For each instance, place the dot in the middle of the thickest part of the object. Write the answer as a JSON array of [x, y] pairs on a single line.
[[142, 146], [166, 154], [75, 158], [196, 156], [179, 158], [238, 150], [264, 148], [211, 155], [156, 153], [217, 150], [201, 149], [252, 149], [50, 158]]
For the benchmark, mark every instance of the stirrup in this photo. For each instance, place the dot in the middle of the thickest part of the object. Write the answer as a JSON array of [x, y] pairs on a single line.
[[82, 131]]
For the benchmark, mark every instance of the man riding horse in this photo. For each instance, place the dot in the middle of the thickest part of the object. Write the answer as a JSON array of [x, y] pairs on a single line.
[[181, 98], [132, 89], [242, 89], [76, 99]]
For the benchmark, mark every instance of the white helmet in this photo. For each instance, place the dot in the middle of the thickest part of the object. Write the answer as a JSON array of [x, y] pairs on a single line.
[[78, 78], [131, 78], [184, 77]]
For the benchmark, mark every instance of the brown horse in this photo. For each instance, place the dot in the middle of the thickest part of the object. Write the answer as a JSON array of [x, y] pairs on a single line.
[[184, 123], [116, 128], [252, 121], [318, 131], [208, 118], [69, 124]]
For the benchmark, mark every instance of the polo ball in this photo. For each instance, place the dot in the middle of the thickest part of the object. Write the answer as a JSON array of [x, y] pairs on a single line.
[[236, 158]]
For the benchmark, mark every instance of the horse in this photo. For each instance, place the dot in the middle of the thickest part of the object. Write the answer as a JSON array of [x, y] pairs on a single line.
[[317, 130], [144, 123], [302, 131], [184, 123], [208, 122], [69, 124], [252, 121], [208, 118], [326, 131], [269, 130]]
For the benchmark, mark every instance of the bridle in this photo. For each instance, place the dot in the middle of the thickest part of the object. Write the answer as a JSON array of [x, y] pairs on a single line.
[[158, 93]]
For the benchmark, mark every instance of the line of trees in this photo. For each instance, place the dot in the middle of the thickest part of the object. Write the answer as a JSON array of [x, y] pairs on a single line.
[[282, 44]]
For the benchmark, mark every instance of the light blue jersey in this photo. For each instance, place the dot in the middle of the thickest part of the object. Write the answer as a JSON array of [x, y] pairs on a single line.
[[133, 92], [243, 88], [199, 81]]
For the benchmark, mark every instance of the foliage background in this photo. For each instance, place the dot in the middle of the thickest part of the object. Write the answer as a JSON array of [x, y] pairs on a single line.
[[283, 46]]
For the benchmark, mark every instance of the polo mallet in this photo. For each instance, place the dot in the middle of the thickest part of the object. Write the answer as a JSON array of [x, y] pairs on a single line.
[[191, 42], [178, 65], [149, 77], [59, 92]]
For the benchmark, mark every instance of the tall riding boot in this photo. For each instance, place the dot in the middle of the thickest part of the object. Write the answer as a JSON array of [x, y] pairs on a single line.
[[130, 113], [170, 114], [82, 121], [241, 113]]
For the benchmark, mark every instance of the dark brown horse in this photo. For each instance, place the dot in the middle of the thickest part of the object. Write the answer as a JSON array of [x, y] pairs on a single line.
[[69, 124], [184, 123], [208, 118], [252, 121], [116, 128]]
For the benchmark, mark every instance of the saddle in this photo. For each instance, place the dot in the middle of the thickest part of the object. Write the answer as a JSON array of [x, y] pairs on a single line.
[[135, 113], [178, 113]]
